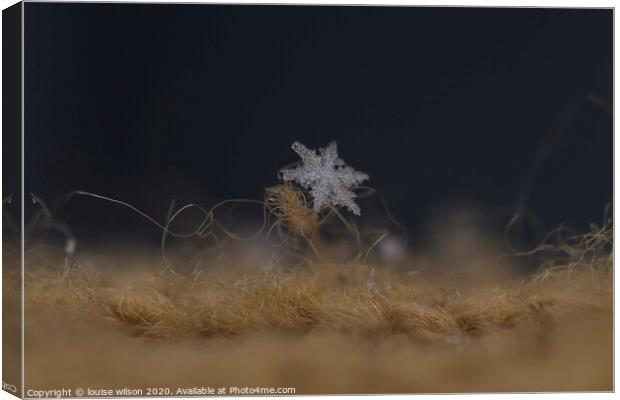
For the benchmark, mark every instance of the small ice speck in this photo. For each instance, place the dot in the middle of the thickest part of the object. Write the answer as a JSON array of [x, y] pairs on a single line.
[[329, 179]]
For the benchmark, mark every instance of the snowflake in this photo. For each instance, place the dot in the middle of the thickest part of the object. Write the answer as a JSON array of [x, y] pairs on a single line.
[[329, 179]]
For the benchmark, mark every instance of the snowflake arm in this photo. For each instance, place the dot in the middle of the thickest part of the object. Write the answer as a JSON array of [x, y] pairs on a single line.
[[326, 176]]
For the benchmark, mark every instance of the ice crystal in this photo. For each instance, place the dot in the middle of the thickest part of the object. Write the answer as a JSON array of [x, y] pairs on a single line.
[[329, 180]]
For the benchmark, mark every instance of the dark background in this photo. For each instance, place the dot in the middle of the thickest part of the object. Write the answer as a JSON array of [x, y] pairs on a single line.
[[441, 106]]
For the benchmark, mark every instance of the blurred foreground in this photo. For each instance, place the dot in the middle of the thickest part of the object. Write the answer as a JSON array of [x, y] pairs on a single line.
[[326, 328]]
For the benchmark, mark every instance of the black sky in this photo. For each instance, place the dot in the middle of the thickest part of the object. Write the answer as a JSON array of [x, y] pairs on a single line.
[[201, 102]]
